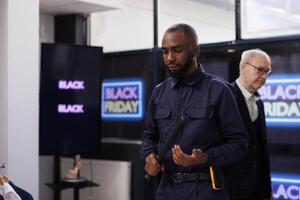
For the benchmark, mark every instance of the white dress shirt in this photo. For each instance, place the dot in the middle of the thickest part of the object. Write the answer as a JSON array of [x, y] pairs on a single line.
[[250, 99], [8, 193]]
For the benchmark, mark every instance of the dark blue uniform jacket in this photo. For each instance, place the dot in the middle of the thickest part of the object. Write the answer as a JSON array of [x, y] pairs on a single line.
[[214, 124]]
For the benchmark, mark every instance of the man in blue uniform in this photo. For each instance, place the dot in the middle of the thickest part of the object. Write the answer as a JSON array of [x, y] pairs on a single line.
[[213, 135], [250, 179]]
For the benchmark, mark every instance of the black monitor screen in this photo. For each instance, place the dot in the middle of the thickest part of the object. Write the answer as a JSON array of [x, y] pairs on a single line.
[[128, 79], [216, 65], [69, 99]]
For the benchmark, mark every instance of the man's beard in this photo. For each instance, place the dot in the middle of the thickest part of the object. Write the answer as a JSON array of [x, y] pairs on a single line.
[[179, 74]]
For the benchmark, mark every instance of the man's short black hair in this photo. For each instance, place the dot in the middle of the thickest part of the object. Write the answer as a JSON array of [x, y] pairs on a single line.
[[186, 29]]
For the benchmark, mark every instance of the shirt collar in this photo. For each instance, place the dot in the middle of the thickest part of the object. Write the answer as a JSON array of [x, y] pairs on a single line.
[[190, 80], [246, 93]]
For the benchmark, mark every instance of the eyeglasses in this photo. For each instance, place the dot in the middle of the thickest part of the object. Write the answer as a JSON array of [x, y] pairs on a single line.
[[260, 71], [2, 169]]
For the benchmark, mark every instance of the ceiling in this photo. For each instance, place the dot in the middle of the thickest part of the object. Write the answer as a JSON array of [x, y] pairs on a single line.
[[78, 6], [90, 6], [222, 4]]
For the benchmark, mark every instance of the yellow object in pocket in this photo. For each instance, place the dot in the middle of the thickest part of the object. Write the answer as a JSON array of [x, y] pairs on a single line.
[[216, 177]]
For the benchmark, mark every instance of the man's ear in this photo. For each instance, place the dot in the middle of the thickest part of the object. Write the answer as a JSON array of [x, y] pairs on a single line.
[[242, 66], [196, 51]]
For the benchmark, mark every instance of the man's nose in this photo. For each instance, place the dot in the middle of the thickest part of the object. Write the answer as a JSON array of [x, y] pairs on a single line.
[[170, 56]]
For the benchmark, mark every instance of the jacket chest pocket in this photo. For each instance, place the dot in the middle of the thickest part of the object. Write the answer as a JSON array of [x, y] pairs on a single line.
[[199, 112], [200, 118], [162, 113], [201, 124], [163, 117]]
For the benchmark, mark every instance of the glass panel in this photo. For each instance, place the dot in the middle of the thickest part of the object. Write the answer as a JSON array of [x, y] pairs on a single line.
[[214, 20], [269, 18], [128, 27]]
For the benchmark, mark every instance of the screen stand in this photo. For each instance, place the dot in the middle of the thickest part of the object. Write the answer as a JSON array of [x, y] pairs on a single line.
[[56, 170]]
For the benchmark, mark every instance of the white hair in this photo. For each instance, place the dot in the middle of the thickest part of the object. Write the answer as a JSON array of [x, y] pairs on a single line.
[[248, 55]]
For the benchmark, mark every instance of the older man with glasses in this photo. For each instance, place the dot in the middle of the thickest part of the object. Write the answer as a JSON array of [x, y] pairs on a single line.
[[249, 179], [6, 190]]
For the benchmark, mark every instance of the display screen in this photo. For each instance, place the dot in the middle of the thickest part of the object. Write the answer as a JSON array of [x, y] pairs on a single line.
[[281, 96], [122, 99], [216, 65], [69, 99], [128, 81], [285, 186]]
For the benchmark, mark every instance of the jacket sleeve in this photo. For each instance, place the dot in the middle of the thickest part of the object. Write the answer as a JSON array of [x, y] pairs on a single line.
[[267, 181], [150, 136], [234, 139]]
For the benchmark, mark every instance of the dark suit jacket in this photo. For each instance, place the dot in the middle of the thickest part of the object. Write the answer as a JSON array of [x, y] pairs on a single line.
[[22, 193], [241, 175]]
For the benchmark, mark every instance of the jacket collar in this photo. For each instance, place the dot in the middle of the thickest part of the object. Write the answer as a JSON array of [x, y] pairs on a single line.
[[246, 93], [190, 80]]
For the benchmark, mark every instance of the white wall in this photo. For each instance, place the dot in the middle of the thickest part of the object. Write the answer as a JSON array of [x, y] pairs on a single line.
[[131, 27], [19, 67], [3, 81], [114, 178]]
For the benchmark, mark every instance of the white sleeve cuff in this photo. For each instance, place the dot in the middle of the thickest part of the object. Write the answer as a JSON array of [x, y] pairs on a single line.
[[10, 192]]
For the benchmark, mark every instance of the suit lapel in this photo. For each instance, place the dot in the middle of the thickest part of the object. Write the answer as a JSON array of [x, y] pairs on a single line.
[[262, 120], [242, 105]]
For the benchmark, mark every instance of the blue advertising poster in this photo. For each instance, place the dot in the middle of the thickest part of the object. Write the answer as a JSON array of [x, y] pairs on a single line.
[[285, 186], [281, 97], [122, 99]]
